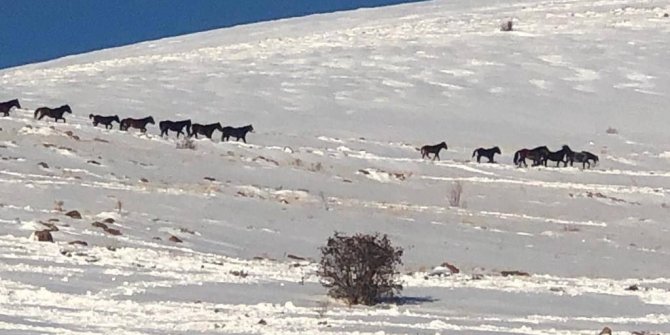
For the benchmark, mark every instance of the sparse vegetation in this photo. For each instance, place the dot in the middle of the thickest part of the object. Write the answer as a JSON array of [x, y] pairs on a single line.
[[360, 269], [506, 26], [455, 194], [186, 143], [612, 131]]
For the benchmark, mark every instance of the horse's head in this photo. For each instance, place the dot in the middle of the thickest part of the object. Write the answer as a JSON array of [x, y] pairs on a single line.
[[151, 120], [66, 109], [497, 150], [91, 116], [444, 145], [218, 126], [566, 148], [250, 128], [116, 118], [16, 103]]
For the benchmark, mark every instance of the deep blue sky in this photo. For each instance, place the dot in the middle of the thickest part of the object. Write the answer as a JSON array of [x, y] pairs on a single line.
[[38, 30]]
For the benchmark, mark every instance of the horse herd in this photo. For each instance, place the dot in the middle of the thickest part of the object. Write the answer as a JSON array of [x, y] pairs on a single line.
[[539, 156], [192, 129]]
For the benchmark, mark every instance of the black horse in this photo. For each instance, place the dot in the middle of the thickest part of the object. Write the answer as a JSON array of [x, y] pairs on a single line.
[[583, 157], [205, 129], [140, 124], [106, 120], [177, 126], [56, 113], [237, 133], [426, 150], [7, 105], [538, 155], [559, 156], [488, 153]]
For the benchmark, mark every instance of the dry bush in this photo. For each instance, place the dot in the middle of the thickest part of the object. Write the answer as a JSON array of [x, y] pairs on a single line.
[[186, 143], [612, 131], [58, 205], [506, 26], [361, 269], [455, 194]]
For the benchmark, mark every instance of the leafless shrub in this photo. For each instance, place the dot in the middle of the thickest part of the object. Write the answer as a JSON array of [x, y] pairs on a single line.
[[455, 194], [119, 206], [186, 143], [506, 26], [361, 269], [58, 205], [612, 131]]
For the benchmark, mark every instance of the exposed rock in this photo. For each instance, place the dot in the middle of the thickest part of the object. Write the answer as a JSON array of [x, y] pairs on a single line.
[[83, 243], [74, 214], [451, 267], [296, 257], [262, 322], [514, 273], [210, 178], [606, 331], [633, 287], [43, 165], [144, 180], [90, 161], [42, 236], [99, 225], [109, 220], [113, 231], [50, 226], [175, 239]]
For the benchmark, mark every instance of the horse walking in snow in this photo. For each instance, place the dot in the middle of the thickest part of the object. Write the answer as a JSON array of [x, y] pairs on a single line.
[[6, 106], [177, 126], [140, 124], [559, 156], [238, 133], [205, 129], [583, 157], [426, 150], [538, 155], [55, 113], [105, 120], [488, 153]]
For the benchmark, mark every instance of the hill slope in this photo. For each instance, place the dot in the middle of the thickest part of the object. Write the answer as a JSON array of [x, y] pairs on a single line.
[[339, 103]]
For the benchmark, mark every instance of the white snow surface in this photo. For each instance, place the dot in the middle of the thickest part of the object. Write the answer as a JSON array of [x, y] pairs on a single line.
[[340, 102]]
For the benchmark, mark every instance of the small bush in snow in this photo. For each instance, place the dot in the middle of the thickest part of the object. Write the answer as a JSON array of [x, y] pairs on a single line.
[[506, 26], [360, 269], [455, 194], [612, 131], [186, 143]]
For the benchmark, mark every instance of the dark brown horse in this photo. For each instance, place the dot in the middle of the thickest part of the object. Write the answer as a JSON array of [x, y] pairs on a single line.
[[7, 105], [177, 126], [538, 155], [426, 150], [488, 153], [56, 113], [583, 157], [238, 133], [560, 156], [140, 124], [106, 120], [205, 129]]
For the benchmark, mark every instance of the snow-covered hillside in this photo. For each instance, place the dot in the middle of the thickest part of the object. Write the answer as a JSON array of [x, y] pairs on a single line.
[[340, 102]]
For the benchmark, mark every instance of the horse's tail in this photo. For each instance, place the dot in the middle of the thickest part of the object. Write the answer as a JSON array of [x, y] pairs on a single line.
[[36, 112], [474, 153], [516, 157]]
